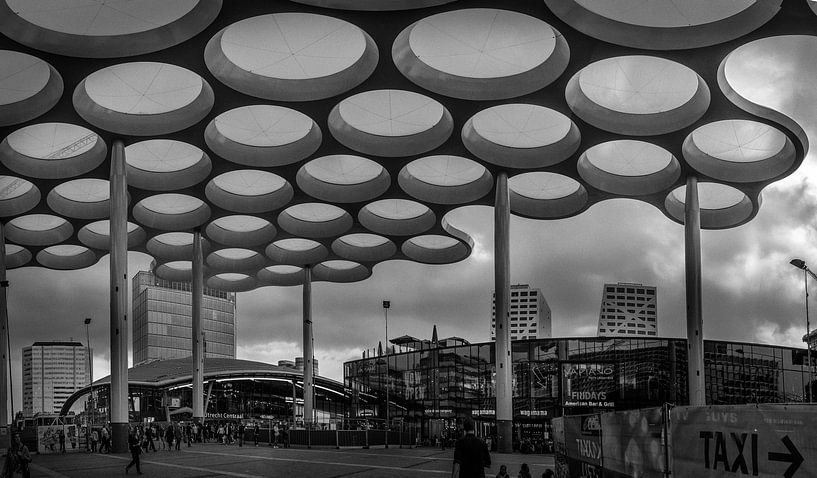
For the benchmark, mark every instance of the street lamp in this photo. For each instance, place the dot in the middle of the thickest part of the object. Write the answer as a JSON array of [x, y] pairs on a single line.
[[91, 377], [801, 264], [386, 305]]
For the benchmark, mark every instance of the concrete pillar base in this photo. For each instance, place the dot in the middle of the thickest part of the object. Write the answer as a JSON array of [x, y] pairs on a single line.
[[504, 436], [119, 438]]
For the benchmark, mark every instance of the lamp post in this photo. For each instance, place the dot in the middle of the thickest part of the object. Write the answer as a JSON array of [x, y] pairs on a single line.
[[90, 373], [801, 264], [386, 305]]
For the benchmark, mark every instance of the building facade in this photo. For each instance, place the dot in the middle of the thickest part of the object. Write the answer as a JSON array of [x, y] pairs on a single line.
[[529, 314], [628, 309], [438, 387], [162, 320], [236, 390], [52, 372]]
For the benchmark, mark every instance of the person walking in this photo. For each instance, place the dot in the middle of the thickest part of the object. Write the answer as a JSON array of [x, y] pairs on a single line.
[[150, 432], [160, 435], [135, 450], [94, 440], [255, 432], [18, 458], [61, 437], [471, 456], [524, 471], [169, 436], [503, 472], [105, 441], [177, 433], [188, 430], [241, 430]]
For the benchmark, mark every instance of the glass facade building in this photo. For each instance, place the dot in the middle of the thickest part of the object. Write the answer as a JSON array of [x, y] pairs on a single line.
[[235, 389], [436, 387], [162, 316]]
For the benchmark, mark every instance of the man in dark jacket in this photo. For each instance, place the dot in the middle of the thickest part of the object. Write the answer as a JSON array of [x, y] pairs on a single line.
[[470, 453], [135, 449]]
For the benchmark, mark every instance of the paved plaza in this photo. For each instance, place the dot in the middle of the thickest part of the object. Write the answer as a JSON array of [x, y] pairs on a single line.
[[262, 461]]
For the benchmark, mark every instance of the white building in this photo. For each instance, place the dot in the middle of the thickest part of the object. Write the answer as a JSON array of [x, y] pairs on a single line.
[[628, 309], [52, 371], [529, 314]]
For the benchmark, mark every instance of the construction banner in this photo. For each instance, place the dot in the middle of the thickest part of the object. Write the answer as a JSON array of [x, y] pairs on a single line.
[[744, 440], [633, 444], [583, 445]]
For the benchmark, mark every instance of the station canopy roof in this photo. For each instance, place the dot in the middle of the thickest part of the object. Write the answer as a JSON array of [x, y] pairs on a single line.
[[338, 134]]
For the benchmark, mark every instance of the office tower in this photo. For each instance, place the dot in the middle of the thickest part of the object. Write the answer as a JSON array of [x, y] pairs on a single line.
[[52, 372], [628, 309], [530, 313], [162, 320]]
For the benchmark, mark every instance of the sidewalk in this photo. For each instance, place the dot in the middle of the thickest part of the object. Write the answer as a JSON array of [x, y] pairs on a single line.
[[212, 460]]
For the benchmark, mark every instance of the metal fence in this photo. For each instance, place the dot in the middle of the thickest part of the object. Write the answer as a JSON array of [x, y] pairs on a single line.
[[355, 433]]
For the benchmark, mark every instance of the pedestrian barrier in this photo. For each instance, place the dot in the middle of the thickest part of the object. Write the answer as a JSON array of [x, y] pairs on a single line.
[[764, 440], [338, 438]]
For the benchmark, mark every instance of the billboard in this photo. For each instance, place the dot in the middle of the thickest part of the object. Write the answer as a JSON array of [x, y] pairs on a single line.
[[583, 445], [633, 443], [763, 440], [48, 438], [589, 385]]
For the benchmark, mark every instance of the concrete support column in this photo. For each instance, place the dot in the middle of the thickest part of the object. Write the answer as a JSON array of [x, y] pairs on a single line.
[[197, 292], [309, 394], [119, 299], [695, 322], [502, 285], [5, 397]]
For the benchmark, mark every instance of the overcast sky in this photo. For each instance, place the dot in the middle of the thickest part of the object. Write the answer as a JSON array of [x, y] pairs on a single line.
[[750, 292]]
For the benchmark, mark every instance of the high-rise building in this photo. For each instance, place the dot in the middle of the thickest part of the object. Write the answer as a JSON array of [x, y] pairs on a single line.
[[162, 320], [52, 372], [628, 309], [529, 313]]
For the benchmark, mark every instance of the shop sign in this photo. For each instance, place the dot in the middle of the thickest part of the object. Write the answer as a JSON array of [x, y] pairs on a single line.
[[589, 385], [233, 416], [439, 411], [484, 412], [534, 413]]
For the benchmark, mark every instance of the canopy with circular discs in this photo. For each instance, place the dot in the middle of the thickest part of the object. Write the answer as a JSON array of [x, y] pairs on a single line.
[[245, 144]]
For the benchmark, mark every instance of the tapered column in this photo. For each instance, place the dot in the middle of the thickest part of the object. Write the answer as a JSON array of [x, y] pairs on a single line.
[[308, 368], [197, 292], [5, 397], [695, 321], [502, 284], [119, 299]]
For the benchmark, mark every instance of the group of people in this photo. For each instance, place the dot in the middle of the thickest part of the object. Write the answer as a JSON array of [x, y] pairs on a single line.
[[471, 457], [100, 438], [524, 472]]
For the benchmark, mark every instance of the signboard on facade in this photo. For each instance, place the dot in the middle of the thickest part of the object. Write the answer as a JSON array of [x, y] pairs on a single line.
[[227, 416], [439, 412], [764, 441], [589, 385]]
